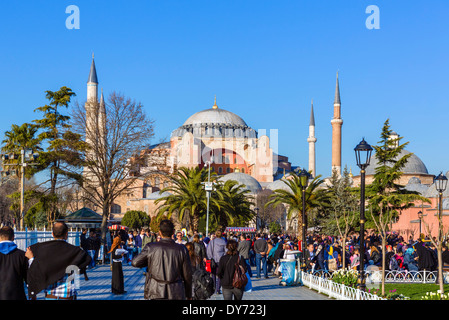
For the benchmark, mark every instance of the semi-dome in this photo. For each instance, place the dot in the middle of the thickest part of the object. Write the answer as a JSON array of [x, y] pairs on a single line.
[[414, 184], [158, 194], [278, 184], [250, 182], [214, 122], [414, 164]]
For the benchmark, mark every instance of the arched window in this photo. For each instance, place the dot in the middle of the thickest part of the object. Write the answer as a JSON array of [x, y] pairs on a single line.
[[115, 208], [220, 170]]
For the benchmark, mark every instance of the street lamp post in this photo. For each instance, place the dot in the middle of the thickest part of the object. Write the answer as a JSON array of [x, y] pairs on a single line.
[[208, 187], [257, 217], [25, 154], [304, 181], [362, 154], [420, 215], [440, 185]]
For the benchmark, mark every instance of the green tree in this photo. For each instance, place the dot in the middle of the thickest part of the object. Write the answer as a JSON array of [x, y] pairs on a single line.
[[386, 197], [135, 219], [232, 206], [155, 221], [315, 197], [61, 146], [275, 227], [188, 197], [19, 141]]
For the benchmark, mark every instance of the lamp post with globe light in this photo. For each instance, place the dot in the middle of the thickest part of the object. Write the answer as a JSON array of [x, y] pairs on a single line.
[[363, 155]]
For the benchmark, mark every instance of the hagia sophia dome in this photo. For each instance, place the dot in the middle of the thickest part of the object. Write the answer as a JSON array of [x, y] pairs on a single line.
[[215, 122]]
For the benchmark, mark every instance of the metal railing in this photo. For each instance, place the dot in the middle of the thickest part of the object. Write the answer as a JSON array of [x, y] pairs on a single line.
[[404, 276], [24, 239], [335, 290]]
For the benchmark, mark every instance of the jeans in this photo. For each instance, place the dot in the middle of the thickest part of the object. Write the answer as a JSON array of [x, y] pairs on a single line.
[[92, 255], [263, 259], [248, 267], [234, 292], [217, 281], [252, 258]]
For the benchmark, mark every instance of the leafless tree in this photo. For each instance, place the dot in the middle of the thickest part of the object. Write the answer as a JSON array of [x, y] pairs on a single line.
[[115, 133], [268, 214]]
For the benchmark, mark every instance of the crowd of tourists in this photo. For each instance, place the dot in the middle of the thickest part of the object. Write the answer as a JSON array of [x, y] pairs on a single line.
[[196, 266]]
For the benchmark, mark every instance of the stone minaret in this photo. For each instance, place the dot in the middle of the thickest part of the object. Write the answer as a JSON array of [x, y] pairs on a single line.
[[92, 108], [312, 140], [337, 123]]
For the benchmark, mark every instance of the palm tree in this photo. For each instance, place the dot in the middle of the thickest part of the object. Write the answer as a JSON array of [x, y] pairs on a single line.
[[233, 204], [315, 197], [20, 138], [188, 197]]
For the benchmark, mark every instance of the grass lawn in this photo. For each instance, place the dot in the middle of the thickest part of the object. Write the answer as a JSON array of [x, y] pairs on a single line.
[[413, 290]]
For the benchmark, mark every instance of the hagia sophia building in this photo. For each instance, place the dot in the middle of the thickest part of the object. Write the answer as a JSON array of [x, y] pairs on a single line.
[[235, 151]]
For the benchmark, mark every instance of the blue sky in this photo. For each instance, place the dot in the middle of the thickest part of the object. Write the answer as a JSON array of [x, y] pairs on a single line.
[[265, 60]]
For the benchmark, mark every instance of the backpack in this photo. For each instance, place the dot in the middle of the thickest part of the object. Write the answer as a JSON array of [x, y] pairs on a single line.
[[203, 284], [239, 279]]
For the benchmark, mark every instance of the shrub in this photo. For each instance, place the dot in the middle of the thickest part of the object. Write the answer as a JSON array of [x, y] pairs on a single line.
[[135, 219], [347, 277]]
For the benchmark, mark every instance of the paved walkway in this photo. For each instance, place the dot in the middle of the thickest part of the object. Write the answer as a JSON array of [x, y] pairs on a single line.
[[98, 287]]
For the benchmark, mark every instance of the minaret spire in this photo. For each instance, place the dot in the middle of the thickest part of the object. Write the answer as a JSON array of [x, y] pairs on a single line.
[[92, 83], [312, 140], [337, 123], [337, 92]]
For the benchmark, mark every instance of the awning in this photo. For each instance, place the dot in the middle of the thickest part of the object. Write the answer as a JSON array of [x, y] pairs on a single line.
[[240, 229], [117, 227]]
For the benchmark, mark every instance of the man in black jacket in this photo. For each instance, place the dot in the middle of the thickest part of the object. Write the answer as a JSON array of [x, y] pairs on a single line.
[[169, 274], [13, 267], [52, 263]]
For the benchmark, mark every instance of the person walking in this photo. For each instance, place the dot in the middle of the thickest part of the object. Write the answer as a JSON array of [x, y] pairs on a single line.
[[139, 239], [130, 246], [148, 237], [173, 281], [215, 250], [13, 267], [117, 252], [93, 245], [261, 248], [243, 248], [200, 248], [226, 269], [52, 262]]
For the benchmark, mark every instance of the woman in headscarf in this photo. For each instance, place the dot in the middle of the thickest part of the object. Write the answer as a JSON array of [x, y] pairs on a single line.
[[117, 253]]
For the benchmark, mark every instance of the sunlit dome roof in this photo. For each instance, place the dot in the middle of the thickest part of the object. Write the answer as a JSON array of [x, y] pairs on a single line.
[[278, 184], [250, 182], [216, 116], [414, 164]]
